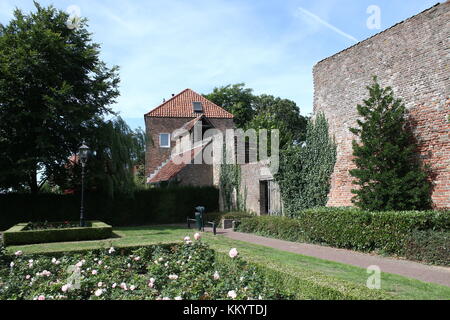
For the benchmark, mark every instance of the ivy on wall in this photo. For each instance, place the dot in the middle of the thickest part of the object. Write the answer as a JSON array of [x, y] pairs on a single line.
[[305, 170], [230, 187]]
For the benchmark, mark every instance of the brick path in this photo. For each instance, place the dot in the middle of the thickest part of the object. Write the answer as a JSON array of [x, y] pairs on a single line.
[[427, 273]]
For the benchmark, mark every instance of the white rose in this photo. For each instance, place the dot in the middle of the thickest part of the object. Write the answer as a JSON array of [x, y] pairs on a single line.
[[233, 253], [98, 292], [232, 294]]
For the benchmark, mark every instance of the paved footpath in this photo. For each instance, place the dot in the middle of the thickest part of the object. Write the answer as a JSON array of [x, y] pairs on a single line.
[[427, 273]]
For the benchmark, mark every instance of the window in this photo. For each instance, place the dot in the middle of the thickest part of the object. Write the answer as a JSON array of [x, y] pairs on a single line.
[[197, 106], [164, 140]]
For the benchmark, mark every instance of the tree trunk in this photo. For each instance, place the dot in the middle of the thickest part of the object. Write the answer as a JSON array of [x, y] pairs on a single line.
[[34, 188]]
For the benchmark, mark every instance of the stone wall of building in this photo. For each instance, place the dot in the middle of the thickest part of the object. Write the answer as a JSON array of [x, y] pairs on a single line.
[[413, 57], [252, 174]]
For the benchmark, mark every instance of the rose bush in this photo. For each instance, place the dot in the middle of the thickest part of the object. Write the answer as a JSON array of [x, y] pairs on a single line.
[[186, 270]]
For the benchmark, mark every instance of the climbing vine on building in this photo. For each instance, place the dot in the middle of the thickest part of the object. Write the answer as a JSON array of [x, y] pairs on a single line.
[[230, 187], [305, 169]]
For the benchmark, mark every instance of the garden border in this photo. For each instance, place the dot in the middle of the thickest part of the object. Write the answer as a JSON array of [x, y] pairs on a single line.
[[17, 236]]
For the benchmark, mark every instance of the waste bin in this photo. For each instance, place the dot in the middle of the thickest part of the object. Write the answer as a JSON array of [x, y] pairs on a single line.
[[199, 211]]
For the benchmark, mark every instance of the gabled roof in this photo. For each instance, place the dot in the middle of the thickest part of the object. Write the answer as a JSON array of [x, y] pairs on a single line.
[[180, 106]]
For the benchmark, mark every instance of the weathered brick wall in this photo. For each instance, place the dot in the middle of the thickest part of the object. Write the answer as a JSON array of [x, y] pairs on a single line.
[[412, 57], [198, 175], [155, 155]]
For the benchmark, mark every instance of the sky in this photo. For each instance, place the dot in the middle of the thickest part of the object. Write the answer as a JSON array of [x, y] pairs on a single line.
[[165, 46]]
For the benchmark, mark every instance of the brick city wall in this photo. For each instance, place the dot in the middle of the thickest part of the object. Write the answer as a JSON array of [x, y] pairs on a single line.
[[412, 57]]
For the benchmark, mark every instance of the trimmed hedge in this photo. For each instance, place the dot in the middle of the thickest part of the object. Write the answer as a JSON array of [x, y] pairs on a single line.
[[17, 235], [389, 232], [152, 206], [217, 217], [433, 246], [309, 284]]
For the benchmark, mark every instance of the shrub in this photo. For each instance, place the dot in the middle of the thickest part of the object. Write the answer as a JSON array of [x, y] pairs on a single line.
[[350, 228], [432, 246], [388, 171], [152, 206], [318, 286], [273, 226], [305, 171], [18, 235], [217, 217]]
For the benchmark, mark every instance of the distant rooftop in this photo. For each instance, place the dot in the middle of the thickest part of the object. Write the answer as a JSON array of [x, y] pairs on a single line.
[[181, 106]]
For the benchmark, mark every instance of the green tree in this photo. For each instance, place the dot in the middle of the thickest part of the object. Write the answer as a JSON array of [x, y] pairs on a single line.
[[282, 114], [54, 90], [236, 99], [115, 150], [388, 171], [305, 170], [141, 140]]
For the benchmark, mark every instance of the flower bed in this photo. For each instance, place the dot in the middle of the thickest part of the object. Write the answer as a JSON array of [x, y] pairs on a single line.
[[19, 234], [190, 270]]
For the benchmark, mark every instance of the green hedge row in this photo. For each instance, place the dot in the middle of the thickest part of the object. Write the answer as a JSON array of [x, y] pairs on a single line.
[[17, 236], [218, 216], [152, 206], [319, 286], [389, 232]]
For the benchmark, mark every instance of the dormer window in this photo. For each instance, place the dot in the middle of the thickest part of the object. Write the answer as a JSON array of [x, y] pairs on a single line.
[[198, 107]]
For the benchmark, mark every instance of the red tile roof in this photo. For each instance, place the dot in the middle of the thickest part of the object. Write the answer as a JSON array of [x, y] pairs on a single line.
[[171, 169], [180, 105]]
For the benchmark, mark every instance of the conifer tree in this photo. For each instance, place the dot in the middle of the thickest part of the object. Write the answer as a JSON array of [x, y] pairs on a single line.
[[388, 171]]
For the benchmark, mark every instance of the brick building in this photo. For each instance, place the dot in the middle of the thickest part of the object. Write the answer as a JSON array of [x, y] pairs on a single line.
[[174, 122], [413, 57], [171, 128]]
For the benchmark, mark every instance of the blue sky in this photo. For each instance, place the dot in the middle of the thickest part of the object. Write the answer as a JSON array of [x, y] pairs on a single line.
[[165, 46]]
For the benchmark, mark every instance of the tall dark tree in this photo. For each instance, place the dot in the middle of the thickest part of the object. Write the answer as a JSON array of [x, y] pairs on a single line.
[[236, 99], [54, 90], [388, 171]]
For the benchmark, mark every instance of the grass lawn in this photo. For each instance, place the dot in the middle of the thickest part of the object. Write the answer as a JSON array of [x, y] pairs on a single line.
[[304, 267]]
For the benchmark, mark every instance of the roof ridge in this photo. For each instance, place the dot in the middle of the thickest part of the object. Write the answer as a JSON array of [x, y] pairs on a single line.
[[165, 102], [383, 31], [177, 106]]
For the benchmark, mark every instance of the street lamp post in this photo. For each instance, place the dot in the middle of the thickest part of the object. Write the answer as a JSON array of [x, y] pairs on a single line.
[[83, 154]]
